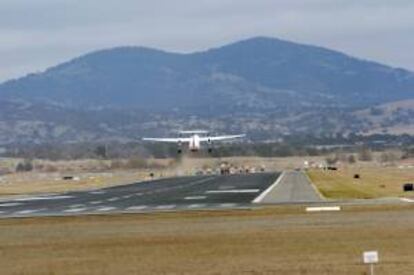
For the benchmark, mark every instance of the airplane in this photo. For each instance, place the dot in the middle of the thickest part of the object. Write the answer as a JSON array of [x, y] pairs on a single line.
[[194, 140]]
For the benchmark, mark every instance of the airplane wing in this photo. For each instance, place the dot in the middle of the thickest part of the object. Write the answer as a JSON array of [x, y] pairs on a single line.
[[171, 140], [220, 137]]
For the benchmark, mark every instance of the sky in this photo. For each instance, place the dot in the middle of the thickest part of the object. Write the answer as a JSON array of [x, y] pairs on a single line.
[[37, 34]]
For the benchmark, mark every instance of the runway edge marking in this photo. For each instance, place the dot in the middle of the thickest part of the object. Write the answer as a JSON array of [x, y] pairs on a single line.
[[270, 188]]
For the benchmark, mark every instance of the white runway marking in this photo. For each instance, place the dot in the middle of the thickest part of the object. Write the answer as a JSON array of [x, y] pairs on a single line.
[[76, 205], [270, 188], [10, 204], [162, 207], [196, 205], [44, 198], [233, 191], [103, 209], [95, 202], [323, 208], [29, 211], [195, 198], [138, 207], [97, 192], [74, 210], [407, 200], [113, 199]]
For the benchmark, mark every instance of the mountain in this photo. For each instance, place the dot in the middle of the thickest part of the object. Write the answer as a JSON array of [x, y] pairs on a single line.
[[259, 84]]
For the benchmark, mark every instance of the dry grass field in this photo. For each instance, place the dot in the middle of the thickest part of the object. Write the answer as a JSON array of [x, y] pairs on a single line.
[[374, 182], [279, 240]]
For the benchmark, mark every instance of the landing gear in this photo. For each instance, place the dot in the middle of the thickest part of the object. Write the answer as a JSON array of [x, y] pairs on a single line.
[[210, 145], [179, 150]]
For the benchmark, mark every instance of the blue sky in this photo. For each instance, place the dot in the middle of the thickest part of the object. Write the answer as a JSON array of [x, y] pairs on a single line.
[[36, 34]]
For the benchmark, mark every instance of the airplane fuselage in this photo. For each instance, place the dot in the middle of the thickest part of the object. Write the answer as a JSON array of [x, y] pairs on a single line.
[[194, 140], [194, 144]]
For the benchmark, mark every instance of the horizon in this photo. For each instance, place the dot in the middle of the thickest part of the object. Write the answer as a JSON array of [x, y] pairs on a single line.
[[41, 34], [212, 47]]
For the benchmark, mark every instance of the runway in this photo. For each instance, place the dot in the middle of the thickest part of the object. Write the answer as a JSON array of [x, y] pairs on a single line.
[[173, 194], [292, 187]]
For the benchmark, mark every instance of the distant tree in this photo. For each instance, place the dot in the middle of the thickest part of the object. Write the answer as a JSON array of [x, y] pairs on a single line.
[[376, 111], [136, 162], [100, 151], [24, 166], [365, 154], [388, 157], [351, 159], [331, 160]]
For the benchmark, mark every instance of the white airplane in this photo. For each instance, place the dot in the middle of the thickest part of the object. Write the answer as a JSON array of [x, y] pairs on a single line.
[[194, 140]]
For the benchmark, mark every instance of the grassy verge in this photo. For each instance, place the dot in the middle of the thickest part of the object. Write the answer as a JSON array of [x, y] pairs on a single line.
[[267, 241], [374, 182]]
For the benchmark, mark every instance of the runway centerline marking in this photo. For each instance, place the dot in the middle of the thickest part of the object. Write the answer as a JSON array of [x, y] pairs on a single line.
[[232, 191]]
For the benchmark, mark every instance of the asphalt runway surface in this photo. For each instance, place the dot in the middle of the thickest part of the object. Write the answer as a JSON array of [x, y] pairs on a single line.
[[173, 194], [292, 187]]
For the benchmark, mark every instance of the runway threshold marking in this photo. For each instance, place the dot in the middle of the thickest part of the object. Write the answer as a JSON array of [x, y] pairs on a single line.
[[270, 188], [232, 191]]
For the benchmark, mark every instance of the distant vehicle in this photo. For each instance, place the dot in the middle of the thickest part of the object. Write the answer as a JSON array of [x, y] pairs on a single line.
[[194, 140]]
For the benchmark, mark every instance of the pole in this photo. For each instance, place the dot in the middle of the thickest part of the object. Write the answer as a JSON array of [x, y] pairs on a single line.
[[372, 269]]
